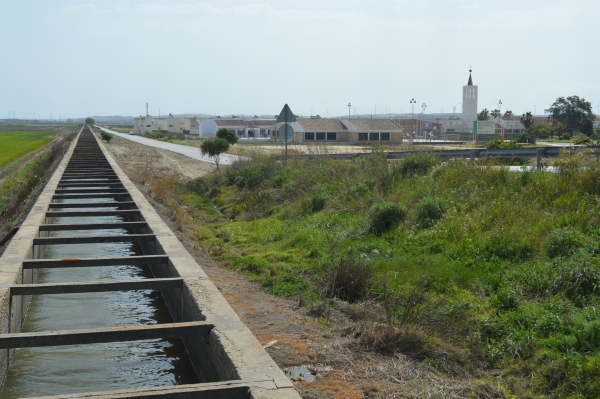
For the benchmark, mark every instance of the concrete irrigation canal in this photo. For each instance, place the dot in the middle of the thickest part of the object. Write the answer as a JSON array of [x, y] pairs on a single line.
[[100, 300]]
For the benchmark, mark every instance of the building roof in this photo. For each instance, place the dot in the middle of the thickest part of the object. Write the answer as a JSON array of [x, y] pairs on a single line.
[[470, 79], [322, 124], [260, 122], [230, 122], [375, 124]]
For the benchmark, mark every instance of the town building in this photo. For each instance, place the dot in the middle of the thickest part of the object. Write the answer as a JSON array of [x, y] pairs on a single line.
[[340, 130], [146, 124], [244, 128]]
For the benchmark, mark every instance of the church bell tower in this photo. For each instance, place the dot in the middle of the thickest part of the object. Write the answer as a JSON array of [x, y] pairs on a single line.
[[469, 103]]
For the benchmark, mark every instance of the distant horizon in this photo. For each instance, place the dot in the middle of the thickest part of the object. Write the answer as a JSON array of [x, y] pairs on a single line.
[[247, 116]]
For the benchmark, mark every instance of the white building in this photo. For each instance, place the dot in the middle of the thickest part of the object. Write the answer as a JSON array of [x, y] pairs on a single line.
[[469, 103], [470, 93], [169, 124], [247, 128], [469, 111]]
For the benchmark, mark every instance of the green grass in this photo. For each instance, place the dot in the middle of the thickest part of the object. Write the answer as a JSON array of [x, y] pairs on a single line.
[[15, 144], [15, 188], [503, 266]]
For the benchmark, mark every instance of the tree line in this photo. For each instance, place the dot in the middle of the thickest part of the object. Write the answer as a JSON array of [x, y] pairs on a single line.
[[570, 115]]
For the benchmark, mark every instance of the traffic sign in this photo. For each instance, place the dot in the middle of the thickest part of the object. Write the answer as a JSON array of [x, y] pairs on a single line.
[[286, 115], [286, 132]]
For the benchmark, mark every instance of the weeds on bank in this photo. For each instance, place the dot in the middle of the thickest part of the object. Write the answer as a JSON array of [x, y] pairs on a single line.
[[474, 268]]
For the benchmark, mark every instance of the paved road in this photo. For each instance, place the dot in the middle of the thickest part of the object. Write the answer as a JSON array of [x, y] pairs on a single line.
[[190, 152]]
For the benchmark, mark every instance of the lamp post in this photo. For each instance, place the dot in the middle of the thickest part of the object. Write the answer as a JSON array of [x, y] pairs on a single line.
[[423, 106], [500, 115], [412, 119], [349, 105]]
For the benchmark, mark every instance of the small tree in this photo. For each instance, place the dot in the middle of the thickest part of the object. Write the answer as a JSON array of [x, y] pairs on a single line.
[[227, 135], [90, 121], [509, 114], [496, 113], [483, 115], [527, 120], [214, 148]]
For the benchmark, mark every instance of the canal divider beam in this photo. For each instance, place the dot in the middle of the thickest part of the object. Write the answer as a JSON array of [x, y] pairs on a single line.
[[218, 343]]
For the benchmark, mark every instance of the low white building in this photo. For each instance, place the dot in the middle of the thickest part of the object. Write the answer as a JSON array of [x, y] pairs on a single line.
[[246, 128], [143, 125]]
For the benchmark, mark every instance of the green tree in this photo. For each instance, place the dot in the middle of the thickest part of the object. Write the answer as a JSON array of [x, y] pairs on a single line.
[[496, 113], [90, 121], [227, 135], [509, 114], [527, 120], [573, 112], [214, 148], [483, 115]]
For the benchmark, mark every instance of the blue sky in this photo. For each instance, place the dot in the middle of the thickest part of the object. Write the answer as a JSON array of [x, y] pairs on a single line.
[[75, 58]]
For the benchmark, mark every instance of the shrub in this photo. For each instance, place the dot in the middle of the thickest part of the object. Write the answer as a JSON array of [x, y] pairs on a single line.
[[348, 279], [430, 210], [563, 242], [155, 135], [416, 164], [587, 333], [251, 174], [581, 139], [565, 136], [315, 203], [386, 215], [390, 340], [578, 278], [106, 136], [525, 138], [493, 144], [507, 299]]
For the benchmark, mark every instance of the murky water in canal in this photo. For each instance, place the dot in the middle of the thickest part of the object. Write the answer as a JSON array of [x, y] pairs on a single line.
[[96, 367]]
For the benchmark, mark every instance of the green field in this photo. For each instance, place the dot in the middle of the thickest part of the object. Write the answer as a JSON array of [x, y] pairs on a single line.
[[473, 269], [15, 144]]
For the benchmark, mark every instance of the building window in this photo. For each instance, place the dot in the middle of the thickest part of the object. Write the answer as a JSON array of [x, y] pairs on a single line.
[[320, 136], [332, 136], [385, 136], [373, 136], [148, 126], [170, 125], [309, 136], [363, 136]]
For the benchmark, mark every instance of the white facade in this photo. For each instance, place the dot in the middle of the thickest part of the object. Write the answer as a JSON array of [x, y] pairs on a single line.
[[244, 128], [469, 104], [143, 125]]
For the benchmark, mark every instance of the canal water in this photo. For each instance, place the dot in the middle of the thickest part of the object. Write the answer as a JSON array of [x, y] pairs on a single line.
[[96, 367]]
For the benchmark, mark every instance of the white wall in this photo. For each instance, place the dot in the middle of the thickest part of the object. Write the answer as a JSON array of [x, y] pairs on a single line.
[[469, 106], [208, 127]]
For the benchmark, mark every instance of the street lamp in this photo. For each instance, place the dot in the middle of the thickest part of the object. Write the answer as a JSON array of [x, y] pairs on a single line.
[[349, 105], [412, 119], [423, 106], [500, 115]]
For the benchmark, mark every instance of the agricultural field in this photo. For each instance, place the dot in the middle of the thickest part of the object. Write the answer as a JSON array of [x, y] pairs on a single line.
[[15, 144]]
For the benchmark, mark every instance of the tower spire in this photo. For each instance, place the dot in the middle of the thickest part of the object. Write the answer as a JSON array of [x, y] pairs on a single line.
[[470, 79]]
